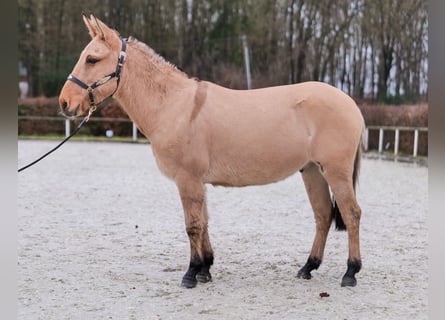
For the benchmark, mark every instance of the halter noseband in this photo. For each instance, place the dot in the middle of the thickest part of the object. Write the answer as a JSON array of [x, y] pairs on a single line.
[[116, 74]]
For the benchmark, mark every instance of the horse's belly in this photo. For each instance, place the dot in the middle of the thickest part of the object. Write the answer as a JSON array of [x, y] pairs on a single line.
[[246, 169]]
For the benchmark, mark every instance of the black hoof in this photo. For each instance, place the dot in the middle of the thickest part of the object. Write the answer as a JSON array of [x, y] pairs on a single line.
[[311, 264], [203, 277], [348, 282], [189, 283], [303, 274], [354, 266]]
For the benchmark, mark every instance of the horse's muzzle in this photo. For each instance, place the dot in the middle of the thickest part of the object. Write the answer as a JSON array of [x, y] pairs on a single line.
[[67, 110]]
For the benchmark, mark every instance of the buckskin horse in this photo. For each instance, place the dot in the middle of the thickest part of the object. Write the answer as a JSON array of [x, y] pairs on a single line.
[[202, 133]]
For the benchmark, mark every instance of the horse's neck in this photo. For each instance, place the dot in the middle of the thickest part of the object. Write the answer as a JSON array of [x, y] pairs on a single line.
[[146, 82]]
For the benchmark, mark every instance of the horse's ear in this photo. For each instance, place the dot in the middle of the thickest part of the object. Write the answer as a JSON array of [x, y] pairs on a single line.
[[99, 27], [105, 33], [88, 23]]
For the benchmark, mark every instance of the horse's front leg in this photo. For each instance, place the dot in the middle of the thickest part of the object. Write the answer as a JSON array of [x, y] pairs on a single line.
[[204, 275], [192, 192]]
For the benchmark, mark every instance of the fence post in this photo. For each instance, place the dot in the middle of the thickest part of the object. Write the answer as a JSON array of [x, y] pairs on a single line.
[[366, 139], [135, 132], [67, 127], [380, 140], [396, 141], [416, 142], [247, 62]]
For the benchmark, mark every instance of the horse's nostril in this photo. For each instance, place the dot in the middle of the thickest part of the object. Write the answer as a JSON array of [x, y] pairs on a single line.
[[64, 105]]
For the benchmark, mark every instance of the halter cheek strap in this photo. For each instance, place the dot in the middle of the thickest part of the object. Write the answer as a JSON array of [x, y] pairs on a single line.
[[116, 74]]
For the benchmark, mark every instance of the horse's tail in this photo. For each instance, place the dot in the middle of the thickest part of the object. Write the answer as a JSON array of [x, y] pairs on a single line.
[[339, 223]]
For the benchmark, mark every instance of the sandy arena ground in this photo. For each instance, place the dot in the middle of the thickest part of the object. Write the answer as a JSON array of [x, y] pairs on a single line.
[[101, 236]]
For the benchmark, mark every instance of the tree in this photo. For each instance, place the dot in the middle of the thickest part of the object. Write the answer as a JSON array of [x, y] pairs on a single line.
[[368, 48]]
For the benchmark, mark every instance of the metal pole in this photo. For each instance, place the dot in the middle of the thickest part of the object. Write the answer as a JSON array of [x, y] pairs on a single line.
[[247, 62]]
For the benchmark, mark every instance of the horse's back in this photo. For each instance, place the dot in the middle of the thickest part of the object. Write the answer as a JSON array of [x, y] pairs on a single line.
[[283, 110]]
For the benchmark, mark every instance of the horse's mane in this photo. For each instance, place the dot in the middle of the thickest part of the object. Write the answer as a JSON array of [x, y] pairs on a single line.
[[160, 60]]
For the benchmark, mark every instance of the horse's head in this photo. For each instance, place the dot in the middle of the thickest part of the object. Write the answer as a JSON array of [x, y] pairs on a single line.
[[96, 73]]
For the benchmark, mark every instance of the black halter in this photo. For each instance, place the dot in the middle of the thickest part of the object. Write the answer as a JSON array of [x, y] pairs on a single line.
[[116, 74]]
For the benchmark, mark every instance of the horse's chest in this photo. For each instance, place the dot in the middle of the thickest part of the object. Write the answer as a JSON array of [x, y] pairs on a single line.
[[165, 163], [167, 158]]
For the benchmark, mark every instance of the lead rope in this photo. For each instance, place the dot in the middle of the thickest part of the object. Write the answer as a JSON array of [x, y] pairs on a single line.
[[85, 120]]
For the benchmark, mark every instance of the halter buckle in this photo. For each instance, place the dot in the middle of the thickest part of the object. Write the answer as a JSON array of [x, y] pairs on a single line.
[[102, 81]]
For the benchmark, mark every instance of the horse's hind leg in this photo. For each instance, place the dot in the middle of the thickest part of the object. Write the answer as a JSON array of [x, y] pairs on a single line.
[[341, 183], [319, 197], [193, 199]]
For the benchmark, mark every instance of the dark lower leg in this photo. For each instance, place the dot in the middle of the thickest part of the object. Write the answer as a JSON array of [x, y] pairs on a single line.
[[354, 266], [189, 279], [199, 270], [201, 256], [194, 231], [311, 264], [203, 274], [316, 255], [351, 214], [354, 260]]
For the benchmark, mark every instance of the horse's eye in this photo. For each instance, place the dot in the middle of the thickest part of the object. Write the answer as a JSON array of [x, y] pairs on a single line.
[[91, 60]]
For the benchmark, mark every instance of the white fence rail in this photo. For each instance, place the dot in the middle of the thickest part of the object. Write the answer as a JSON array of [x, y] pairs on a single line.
[[68, 122], [380, 129], [396, 130]]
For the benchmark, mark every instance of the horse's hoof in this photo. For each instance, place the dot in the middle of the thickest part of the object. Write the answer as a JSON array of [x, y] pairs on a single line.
[[189, 283], [348, 282], [203, 277], [312, 263], [304, 274]]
